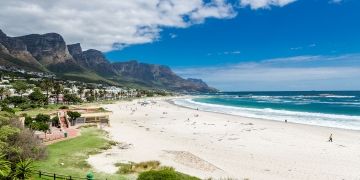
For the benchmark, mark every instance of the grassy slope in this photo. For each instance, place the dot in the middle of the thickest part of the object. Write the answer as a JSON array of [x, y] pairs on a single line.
[[8, 60], [49, 109], [73, 153]]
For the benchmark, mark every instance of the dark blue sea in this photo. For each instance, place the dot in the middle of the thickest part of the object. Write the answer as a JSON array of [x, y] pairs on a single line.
[[339, 109]]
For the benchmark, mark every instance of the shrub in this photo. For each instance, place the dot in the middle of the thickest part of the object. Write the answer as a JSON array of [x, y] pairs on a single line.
[[55, 121], [42, 118], [73, 115], [167, 168], [16, 100], [26, 106], [147, 165], [9, 110], [125, 168], [28, 121], [64, 107], [71, 98], [164, 175]]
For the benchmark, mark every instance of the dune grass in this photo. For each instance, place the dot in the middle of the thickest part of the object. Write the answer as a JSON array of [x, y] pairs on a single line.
[[69, 157]]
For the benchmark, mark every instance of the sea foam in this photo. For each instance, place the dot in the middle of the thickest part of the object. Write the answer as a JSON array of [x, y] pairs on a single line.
[[310, 118]]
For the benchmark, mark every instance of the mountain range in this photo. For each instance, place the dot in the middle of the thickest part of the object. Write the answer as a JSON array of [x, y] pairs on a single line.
[[49, 53]]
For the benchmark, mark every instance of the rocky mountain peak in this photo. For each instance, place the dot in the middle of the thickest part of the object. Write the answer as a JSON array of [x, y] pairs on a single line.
[[2, 34], [49, 52], [48, 48], [74, 49], [95, 56]]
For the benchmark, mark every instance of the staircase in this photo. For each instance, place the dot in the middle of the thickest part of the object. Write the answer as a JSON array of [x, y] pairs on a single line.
[[64, 124]]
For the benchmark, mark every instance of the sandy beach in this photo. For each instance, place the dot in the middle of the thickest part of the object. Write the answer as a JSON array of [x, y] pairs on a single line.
[[206, 144]]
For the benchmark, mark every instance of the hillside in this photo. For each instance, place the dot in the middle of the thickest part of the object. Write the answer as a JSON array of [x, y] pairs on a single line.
[[50, 53]]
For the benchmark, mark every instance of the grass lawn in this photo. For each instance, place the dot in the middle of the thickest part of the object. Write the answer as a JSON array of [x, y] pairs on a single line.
[[48, 109], [73, 154]]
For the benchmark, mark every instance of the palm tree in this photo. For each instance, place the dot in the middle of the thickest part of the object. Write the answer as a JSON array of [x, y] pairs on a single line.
[[47, 86], [5, 167], [81, 91], [58, 89], [24, 169], [103, 93]]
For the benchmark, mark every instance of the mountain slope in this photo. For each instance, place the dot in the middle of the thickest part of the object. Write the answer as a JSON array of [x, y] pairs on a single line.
[[49, 52]]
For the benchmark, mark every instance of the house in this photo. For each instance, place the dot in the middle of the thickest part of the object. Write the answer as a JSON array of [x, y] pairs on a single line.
[[97, 116]]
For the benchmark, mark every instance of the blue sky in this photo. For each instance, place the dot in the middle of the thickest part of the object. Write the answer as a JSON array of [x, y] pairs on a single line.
[[311, 28], [230, 44], [304, 27]]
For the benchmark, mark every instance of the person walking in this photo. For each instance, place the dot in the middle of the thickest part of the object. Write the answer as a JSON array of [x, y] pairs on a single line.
[[330, 138]]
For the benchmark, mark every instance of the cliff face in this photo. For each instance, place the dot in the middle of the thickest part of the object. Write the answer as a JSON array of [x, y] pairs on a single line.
[[158, 76], [14, 48], [49, 52], [48, 48]]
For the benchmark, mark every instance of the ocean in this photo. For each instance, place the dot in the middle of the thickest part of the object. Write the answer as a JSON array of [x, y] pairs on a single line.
[[340, 109]]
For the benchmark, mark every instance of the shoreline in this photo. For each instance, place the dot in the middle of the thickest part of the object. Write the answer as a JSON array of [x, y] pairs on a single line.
[[261, 119], [220, 145]]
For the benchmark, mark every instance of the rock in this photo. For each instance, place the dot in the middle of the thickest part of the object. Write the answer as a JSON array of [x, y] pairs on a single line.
[[48, 48]]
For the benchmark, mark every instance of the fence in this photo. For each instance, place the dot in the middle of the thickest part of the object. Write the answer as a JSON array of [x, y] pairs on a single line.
[[54, 176]]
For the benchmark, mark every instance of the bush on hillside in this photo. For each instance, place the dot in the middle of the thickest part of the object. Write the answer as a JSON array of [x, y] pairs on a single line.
[[17, 142], [165, 174], [64, 107], [7, 109]]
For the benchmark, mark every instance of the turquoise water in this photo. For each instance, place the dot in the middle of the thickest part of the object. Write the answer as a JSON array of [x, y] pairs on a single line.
[[333, 108]]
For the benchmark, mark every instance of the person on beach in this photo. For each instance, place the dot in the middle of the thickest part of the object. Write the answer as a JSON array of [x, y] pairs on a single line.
[[330, 138], [285, 120]]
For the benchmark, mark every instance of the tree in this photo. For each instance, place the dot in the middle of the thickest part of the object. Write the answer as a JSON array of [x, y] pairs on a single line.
[[55, 121], [90, 98], [42, 118], [4, 92], [103, 93], [42, 126], [58, 89], [20, 87], [16, 100], [71, 98], [40, 123], [24, 169], [73, 115], [47, 86], [37, 97], [81, 91], [17, 146]]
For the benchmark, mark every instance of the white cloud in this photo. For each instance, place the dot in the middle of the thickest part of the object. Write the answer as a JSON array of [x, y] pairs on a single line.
[[335, 1], [294, 73], [257, 4], [110, 24], [172, 35], [100, 24], [225, 53]]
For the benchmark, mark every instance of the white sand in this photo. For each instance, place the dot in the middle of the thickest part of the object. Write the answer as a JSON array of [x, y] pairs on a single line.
[[218, 145]]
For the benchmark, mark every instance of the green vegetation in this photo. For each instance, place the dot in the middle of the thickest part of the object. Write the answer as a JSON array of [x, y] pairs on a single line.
[[47, 109], [73, 115], [69, 157], [151, 170], [37, 97], [20, 87], [127, 168], [18, 147], [164, 174], [71, 99], [39, 123]]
